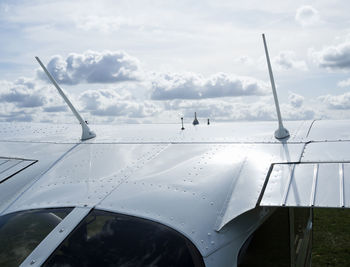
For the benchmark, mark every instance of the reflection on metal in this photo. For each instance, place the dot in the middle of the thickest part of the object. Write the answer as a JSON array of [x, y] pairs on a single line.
[[281, 132], [320, 184], [341, 183], [56, 237], [159, 173], [86, 132], [313, 189], [11, 166]]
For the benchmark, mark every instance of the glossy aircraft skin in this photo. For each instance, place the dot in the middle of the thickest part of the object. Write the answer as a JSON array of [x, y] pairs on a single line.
[[215, 184]]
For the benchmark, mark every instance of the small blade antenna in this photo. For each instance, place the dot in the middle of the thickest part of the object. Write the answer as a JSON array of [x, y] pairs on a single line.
[[195, 121], [86, 132], [281, 132]]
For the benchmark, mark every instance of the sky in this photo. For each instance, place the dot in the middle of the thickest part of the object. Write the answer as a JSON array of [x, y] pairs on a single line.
[[156, 61]]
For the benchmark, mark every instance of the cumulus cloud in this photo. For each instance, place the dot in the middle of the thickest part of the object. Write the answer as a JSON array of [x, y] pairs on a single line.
[[27, 100], [295, 100], [223, 110], [107, 102], [340, 102], [55, 109], [334, 57], [344, 83], [93, 67], [195, 86], [307, 16], [286, 60], [21, 93]]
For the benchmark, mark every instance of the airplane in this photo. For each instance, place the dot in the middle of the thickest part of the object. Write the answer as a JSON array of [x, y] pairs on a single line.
[[214, 195]]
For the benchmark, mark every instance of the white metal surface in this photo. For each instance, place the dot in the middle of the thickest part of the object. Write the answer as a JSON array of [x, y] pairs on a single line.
[[198, 181], [309, 185], [10, 167], [236, 132], [47, 156], [163, 182], [40, 254], [327, 152], [326, 130]]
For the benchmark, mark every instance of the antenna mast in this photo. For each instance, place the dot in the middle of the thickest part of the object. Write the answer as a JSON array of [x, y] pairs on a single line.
[[86, 132], [281, 132]]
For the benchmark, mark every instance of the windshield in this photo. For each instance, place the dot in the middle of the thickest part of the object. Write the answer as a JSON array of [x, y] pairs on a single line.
[[21, 232], [109, 239]]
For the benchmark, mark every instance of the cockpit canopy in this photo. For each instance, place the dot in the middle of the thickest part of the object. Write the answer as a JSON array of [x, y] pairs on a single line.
[[101, 239]]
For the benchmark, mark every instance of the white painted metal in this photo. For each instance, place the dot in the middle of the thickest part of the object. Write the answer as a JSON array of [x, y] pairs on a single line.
[[281, 132], [326, 130], [40, 254], [311, 185], [7, 165], [154, 180], [3, 161], [86, 132], [327, 152], [47, 155], [204, 182], [236, 132], [16, 166]]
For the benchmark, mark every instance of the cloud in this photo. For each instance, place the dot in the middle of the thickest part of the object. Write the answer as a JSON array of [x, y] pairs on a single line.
[[291, 112], [55, 109], [222, 110], [340, 102], [307, 16], [93, 67], [344, 83], [334, 57], [21, 93], [107, 102], [101, 23], [27, 100], [246, 60], [286, 60], [194, 86], [295, 100]]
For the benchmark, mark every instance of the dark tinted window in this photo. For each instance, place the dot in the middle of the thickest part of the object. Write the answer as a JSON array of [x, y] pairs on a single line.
[[21, 232], [108, 239], [269, 245]]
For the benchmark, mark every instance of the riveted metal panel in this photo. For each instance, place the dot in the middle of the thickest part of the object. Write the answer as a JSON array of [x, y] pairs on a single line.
[[300, 186], [327, 152], [46, 156], [308, 184], [249, 183], [7, 165], [16, 166], [86, 175], [328, 186], [326, 130], [154, 133]]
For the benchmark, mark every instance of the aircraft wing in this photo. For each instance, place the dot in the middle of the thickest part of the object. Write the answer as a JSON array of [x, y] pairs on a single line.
[[322, 176], [165, 174]]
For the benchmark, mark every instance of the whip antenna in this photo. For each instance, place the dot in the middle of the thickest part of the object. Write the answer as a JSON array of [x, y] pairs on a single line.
[[86, 132], [281, 132]]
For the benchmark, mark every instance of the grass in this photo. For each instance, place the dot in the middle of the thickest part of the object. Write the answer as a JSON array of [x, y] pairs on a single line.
[[331, 238]]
